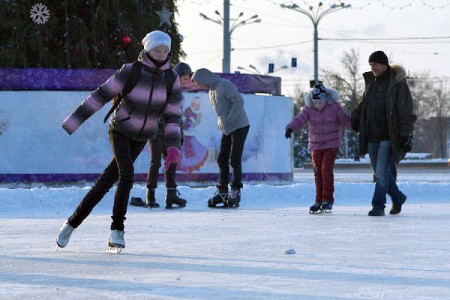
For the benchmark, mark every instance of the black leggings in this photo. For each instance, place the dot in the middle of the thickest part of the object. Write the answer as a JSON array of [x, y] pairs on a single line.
[[231, 149], [158, 150], [119, 169]]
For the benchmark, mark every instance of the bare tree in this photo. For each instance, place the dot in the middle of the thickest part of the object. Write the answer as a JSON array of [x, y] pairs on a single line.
[[431, 96]]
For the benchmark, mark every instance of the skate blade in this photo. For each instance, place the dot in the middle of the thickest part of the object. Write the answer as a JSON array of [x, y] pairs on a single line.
[[114, 249], [315, 212], [171, 206], [327, 211]]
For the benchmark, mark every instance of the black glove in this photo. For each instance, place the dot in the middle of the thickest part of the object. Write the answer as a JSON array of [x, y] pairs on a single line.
[[288, 132], [406, 142]]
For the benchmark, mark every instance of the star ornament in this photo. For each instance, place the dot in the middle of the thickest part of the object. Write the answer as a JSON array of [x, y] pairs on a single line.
[[164, 16], [39, 13]]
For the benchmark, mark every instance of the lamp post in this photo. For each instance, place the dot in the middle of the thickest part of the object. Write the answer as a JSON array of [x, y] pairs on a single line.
[[228, 30], [315, 17]]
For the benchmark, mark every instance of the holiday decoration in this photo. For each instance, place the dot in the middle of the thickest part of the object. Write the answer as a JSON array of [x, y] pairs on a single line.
[[164, 16], [39, 13], [126, 39]]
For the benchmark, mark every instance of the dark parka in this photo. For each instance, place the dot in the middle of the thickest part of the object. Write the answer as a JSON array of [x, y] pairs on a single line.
[[399, 110]]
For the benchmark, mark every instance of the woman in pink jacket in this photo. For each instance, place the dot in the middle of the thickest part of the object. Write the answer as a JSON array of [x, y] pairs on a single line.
[[324, 115]]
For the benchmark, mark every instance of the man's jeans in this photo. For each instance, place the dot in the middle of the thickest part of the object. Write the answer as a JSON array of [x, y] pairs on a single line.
[[380, 154]]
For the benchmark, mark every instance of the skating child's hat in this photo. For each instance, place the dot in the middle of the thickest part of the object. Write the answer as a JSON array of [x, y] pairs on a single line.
[[319, 93], [154, 39], [379, 57]]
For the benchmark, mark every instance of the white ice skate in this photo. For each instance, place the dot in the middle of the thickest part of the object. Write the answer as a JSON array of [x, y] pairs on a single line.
[[116, 241], [64, 235]]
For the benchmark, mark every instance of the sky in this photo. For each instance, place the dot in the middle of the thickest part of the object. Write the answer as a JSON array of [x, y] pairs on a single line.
[[396, 27], [201, 253]]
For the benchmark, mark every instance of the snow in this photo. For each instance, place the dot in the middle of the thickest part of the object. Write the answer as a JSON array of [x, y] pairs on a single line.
[[269, 248]]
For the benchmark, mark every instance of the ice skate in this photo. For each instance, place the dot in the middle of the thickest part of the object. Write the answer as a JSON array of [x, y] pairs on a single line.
[[316, 208], [327, 207], [150, 200], [220, 197], [173, 199], [116, 241], [234, 198], [64, 235]]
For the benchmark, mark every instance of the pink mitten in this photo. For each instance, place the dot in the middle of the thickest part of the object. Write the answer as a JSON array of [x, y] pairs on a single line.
[[173, 156]]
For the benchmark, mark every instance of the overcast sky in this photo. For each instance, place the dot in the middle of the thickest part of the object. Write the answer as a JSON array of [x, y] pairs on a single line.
[[285, 33]]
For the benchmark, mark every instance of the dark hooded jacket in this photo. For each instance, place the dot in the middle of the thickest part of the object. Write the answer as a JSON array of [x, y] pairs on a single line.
[[399, 111], [225, 99]]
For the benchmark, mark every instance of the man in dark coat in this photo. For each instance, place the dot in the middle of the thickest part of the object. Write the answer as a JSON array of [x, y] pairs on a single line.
[[385, 120]]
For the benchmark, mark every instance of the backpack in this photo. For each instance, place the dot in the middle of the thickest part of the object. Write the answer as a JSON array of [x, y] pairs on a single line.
[[133, 80]]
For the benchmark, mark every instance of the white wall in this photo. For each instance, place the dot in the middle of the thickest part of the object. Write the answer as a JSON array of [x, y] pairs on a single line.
[[33, 142]]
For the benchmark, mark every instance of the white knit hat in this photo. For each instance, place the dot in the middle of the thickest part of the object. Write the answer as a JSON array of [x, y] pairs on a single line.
[[154, 39]]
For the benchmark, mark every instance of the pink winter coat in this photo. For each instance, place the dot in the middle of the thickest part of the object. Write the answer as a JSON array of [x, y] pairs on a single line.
[[324, 125]]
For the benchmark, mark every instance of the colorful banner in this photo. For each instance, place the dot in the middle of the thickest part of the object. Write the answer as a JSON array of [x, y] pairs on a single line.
[[34, 147]]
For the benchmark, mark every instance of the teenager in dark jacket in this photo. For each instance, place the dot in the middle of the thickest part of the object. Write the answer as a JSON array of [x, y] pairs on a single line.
[[232, 120], [158, 150], [385, 121], [134, 122]]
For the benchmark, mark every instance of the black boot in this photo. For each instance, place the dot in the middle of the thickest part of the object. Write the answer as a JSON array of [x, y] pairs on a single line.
[[220, 196], [397, 206], [150, 200], [234, 197], [172, 198]]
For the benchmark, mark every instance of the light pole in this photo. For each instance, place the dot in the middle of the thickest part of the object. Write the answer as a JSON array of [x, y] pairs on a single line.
[[315, 17], [228, 30]]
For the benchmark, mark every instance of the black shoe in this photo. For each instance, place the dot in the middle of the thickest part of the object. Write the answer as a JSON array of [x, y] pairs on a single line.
[[150, 200], [397, 207], [233, 199], [136, 201], [376, 212], [173, 199]]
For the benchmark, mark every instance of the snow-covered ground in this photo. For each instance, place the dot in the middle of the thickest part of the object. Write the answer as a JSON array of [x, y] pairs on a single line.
[[201, 253]]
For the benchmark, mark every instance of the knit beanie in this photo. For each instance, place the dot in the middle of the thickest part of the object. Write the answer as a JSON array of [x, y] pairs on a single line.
[[379, 57], [154, 39], [319, 92]]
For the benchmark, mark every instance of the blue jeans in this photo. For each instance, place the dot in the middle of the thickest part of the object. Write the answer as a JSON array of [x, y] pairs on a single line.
[[380, 154]]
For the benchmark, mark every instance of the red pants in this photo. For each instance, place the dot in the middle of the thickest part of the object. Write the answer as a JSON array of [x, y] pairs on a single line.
[[323, 161]]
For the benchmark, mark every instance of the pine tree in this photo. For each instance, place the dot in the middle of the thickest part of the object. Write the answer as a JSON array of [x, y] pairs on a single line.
[[82, 33]]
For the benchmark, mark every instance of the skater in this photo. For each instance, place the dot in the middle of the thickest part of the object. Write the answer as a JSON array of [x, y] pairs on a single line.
[[232, 120], [324, 116], [134, 122], [158, 149], [384, 119]]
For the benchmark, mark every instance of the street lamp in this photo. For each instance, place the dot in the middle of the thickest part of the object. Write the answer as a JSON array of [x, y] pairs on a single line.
[[247, 70], [254, 68], [228, 30], [315, 17]]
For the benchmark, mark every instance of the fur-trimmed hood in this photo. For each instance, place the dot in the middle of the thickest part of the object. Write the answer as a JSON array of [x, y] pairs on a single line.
[[398, 71], [333, 96]]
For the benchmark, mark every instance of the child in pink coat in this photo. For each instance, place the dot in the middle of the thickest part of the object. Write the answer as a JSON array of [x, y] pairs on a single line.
[[324, 116]]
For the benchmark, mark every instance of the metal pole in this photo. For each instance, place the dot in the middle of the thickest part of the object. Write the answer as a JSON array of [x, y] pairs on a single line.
[[226, 37], [316, 53]]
